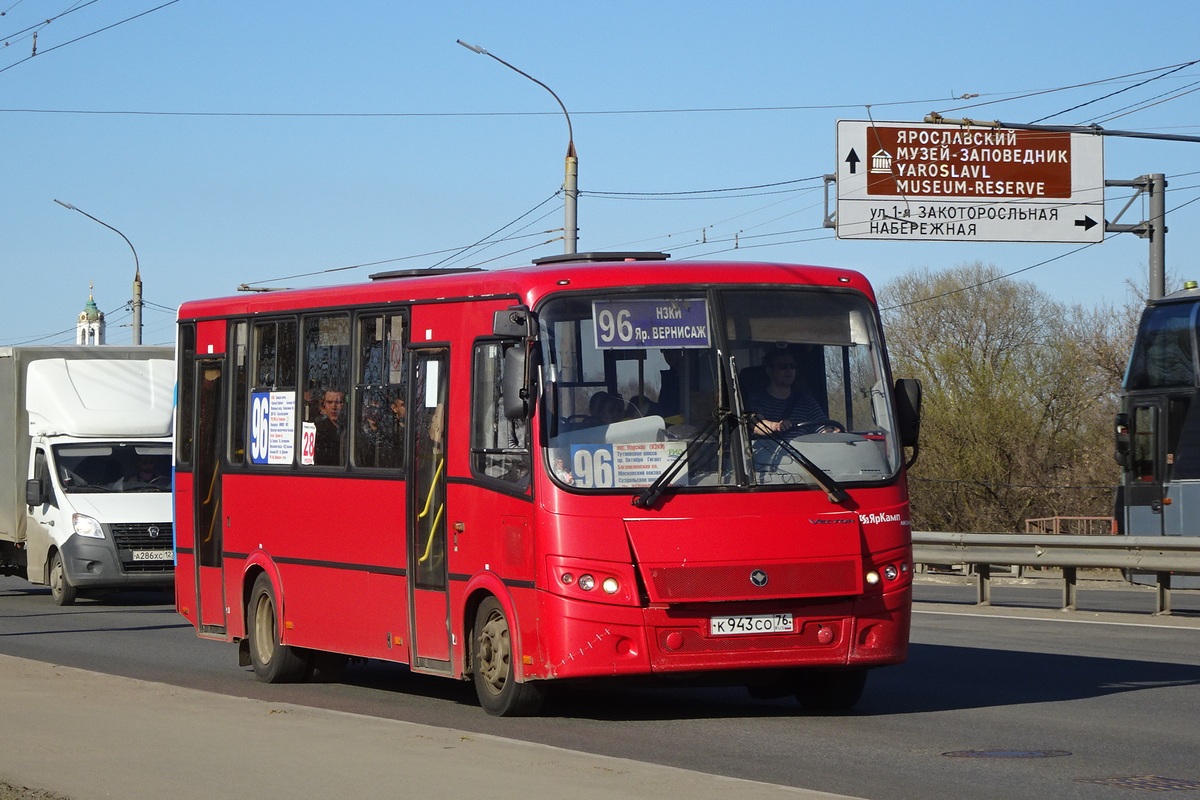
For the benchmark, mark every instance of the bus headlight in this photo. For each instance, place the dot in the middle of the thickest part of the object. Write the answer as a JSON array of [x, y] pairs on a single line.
[[87, 526], [580, 579]]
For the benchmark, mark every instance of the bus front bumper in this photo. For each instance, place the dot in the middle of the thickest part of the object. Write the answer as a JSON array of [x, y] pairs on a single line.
[[588, 639]]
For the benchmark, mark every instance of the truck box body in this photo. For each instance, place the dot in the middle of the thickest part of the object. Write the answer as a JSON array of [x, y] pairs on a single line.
[[78, 422]]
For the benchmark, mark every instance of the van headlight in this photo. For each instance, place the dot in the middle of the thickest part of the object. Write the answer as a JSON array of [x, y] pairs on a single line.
[[87, 526]]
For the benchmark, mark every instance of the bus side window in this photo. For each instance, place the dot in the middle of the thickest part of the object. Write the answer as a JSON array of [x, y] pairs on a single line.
[[184, 381], [264, 365], [380, 417], [239, 350], [326, 353], [499, 446]]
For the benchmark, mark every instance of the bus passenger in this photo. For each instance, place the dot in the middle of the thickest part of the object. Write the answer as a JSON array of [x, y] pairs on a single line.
[[380, 441], [328, 451], [639, 406], [605, 408]]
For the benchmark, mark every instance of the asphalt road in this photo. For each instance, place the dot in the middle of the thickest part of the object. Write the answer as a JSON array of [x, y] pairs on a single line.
[[1019, 700]]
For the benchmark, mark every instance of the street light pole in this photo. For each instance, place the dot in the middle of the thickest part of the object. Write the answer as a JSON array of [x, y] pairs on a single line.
[[571, 179], [137, 271]]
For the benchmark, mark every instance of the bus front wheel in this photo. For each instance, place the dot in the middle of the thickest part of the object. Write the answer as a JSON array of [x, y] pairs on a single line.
[[273, 662], [499, 692]]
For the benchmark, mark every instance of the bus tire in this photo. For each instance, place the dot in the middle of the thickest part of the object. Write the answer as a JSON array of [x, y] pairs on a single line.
[[499, 692], [60, 585], [272, 661], [830, 689]]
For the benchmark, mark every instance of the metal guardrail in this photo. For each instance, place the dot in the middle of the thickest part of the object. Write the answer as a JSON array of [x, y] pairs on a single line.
[[1160, 556]]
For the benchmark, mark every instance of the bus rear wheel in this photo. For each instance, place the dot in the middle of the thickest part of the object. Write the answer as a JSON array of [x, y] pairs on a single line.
[[830, 689], [273, 662], [496, 684]]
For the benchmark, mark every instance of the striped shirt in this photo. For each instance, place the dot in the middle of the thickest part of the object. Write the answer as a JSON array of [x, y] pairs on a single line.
[[803, 407]]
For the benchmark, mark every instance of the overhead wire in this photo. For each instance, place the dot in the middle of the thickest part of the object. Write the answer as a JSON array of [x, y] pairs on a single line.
[[70, 332], [1170, 71], [627, 195], [452, 251], [1042, 263], [1147, 104], [10, 8], [361, 265], [481, 241], [20, 35], [451, 114], [88, 35], [961, 289], [1039, 92]]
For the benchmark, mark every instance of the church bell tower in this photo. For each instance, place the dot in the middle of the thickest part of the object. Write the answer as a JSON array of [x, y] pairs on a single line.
[[90, 327]]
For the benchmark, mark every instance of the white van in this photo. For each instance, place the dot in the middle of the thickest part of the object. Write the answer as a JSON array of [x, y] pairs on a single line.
[[85, 483]]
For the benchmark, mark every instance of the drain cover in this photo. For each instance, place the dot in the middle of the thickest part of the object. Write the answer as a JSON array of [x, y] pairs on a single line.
[[1006, 753], [1146, 783]]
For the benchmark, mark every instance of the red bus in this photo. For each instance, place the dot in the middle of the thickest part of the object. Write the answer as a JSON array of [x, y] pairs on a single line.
[[559, 471]]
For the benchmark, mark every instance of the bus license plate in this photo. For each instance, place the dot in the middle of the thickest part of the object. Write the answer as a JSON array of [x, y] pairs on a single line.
[[750, 623], [153, 555]]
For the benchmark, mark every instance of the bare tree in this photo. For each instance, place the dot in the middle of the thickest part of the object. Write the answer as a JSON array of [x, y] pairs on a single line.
[[1020, 392]]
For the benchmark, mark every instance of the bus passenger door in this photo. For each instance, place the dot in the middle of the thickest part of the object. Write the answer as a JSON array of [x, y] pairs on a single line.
[[1145, 471], [429, 624], [209, 436]]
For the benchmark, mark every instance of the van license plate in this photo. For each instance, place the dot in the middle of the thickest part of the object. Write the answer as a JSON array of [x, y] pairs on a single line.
[[750, 623], [153, 555]]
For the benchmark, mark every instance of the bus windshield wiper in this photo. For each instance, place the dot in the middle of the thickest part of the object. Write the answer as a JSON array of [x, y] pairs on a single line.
[[647, 496], [832, 488]]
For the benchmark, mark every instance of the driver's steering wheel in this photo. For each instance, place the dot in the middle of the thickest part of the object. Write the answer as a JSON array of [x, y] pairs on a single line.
[[816, 426]]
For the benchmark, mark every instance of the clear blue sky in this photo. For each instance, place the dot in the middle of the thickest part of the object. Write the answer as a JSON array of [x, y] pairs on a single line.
[[272, 143]]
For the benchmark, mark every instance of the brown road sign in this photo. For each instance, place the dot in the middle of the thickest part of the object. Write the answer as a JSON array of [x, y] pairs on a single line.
[[948, 182]]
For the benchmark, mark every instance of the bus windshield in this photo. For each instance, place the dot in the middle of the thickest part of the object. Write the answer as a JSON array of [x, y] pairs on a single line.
[[1163, 354], [738, 387]]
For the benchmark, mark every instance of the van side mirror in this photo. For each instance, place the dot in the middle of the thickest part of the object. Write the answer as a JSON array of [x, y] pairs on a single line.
[[514, 389], [908, 415], [35, 493], [1124, 441]]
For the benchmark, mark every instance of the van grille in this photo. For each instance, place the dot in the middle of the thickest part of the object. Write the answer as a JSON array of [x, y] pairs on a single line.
[[130, 536]]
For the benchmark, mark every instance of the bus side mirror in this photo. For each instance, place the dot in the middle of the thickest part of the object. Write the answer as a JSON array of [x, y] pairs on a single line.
[[514, 389], [1123, 440], [512, 323], [908, 411]]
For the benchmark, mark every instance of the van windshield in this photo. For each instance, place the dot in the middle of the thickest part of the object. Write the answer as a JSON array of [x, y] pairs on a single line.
[[724, 387], [114, 467]]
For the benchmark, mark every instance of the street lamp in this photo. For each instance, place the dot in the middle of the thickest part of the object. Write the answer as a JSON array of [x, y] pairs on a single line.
[[571, 182], [137, 272]]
